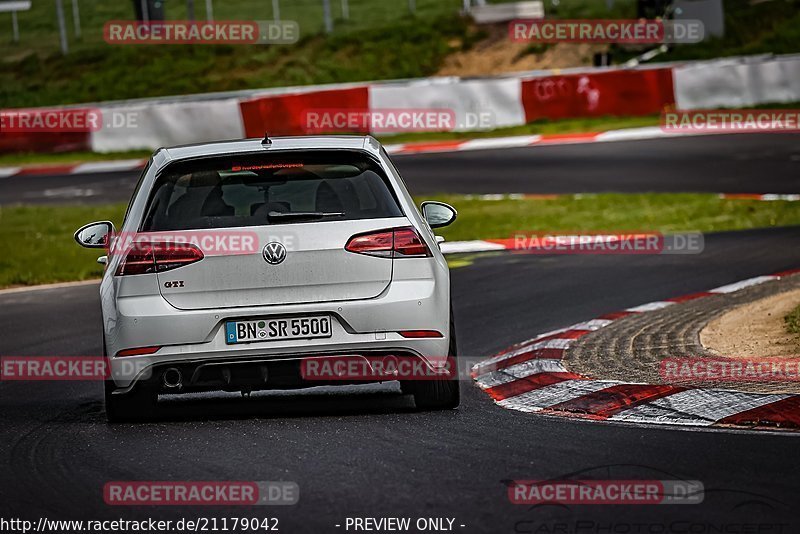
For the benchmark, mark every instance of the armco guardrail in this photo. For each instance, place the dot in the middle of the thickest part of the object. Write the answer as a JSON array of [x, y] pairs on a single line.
[[502, 101]]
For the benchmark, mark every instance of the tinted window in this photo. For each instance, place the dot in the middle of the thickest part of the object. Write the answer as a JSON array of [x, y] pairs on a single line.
[[269, 189]]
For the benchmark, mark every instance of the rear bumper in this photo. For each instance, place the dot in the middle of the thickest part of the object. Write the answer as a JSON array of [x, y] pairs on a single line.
[[275, 372], [189, 336]]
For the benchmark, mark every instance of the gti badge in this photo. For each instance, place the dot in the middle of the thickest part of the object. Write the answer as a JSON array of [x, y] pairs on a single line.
[[274, 253]]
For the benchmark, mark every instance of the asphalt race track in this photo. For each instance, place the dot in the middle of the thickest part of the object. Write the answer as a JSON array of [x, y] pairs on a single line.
[[724, 163], [362, 452]]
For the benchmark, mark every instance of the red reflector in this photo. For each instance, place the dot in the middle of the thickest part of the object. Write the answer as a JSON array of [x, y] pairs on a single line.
[[396, 243], [138, 351], [148, 258], [420, 333]]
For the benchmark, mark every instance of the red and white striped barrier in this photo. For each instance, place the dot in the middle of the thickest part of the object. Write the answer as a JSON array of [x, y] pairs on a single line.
[[532, 377], [506, 101]]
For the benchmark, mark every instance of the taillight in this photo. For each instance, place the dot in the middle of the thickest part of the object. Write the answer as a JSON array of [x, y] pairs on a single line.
[[148, 258], [397, 243]]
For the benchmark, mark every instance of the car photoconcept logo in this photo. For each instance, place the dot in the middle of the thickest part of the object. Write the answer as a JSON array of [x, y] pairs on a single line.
[[274, 253]]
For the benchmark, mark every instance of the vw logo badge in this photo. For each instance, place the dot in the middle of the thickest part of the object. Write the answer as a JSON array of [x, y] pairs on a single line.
[[274, 253]]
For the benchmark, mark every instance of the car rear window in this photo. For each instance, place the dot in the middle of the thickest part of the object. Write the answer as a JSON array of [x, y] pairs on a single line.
[[263, 189]]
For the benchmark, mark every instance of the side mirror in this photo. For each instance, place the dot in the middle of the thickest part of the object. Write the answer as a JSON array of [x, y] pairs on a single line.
[[94, 235], [438, 214]]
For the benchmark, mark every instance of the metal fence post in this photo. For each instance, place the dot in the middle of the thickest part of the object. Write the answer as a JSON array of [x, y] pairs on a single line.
[[145, 11], [326, 13], [190, 9], [276, 10], [14, 27], [62, 27], [76, 18], [345, 10], [209, 11], [412, 6]]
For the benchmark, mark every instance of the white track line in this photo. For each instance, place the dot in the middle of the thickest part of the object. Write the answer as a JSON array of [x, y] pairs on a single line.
[[730, 288], [502, 142], [5, 172], [457, 247], [108, 166], [650, 306]]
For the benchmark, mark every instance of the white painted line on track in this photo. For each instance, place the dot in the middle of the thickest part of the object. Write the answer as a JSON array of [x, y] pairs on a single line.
[[502, 142], [470, 246], [650, 306], [730, 288], [5, 172], [108, 166]]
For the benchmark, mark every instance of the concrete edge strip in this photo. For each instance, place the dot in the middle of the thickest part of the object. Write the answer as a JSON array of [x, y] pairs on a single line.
[[531, 377]]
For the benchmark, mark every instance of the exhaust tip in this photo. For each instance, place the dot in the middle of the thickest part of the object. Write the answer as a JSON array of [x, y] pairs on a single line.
[[172, 378]]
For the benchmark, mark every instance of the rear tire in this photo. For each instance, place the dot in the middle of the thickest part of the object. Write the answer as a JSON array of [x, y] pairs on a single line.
[[438, 394], [139, 404]]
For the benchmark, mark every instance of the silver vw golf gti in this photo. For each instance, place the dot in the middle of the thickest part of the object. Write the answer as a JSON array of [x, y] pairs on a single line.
[[274, 264]]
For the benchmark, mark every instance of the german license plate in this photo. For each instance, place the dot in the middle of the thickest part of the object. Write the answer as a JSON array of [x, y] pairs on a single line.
[[277, 329]]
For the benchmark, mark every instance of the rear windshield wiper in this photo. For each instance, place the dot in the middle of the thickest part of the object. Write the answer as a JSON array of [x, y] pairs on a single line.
[[310, 215]]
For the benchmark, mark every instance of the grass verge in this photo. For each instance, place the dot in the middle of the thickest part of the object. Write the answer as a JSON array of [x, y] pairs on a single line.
[[36, 245], [793, 321]]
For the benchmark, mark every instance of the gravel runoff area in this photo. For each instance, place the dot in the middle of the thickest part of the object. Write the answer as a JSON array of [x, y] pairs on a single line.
[[631, 348], [756, 329]]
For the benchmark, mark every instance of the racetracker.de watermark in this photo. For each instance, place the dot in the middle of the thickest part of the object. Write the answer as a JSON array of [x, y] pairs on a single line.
[[50, 120], [131, 32], [731, 121], [386, 120], [74, 120], [204, 493], [608, 243], [614, 492], [607, 31], [210, 242], [67, 368], [677, 370], [379, 368]]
